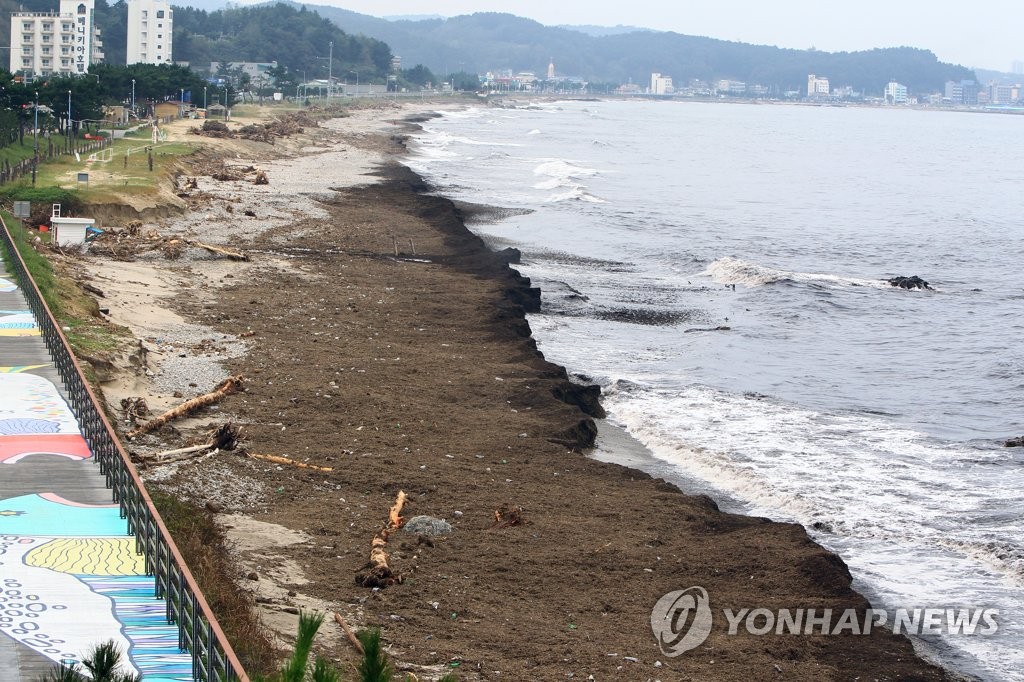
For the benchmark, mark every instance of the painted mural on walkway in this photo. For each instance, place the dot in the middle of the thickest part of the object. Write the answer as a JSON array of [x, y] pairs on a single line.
[[18, 323], [35, 420], [69, 574], [7, 285]]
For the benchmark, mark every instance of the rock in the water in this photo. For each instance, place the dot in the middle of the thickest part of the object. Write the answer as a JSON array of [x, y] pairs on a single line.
[[510, 255], [427, 525], [1015, 442], [913, 282]]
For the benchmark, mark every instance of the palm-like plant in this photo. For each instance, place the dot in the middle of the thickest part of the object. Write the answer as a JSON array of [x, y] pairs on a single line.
[[99, 665]]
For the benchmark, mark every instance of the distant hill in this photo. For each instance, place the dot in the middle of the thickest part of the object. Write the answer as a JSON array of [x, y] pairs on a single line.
[[600, 31], [492, 41], [987, 76]]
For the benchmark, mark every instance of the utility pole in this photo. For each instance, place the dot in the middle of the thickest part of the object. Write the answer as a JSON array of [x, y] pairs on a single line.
[[70, 143], [330, 71]]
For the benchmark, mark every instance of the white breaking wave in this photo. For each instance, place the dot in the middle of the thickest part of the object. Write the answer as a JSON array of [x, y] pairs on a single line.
[[566, 175], [564, 170], [731, 270], [534, 132], [575, 193]]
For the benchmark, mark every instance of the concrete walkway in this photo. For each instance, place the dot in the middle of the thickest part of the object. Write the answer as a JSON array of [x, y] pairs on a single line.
[[69, 575]]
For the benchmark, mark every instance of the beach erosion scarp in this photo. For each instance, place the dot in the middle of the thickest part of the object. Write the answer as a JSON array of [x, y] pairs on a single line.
[[382, 340]]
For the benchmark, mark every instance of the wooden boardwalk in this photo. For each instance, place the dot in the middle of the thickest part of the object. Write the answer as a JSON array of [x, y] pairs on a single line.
[[69, 574]]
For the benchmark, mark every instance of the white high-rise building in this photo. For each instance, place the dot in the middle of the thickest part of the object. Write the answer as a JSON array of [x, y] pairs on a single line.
[[63, 43], [896, 93], [150, 32], [661, 85], [817, 86]]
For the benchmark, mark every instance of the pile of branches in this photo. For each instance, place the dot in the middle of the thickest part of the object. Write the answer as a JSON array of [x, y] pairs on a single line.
[[213, 128]]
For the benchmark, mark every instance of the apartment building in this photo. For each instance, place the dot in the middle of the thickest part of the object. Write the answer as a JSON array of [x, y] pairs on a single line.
[[150, 32], [63, 43]]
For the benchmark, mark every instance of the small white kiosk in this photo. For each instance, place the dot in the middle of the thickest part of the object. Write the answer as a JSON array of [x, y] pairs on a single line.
[[69, 231]]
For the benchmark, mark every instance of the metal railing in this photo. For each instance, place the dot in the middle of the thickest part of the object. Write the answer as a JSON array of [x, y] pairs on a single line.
[[213, 659]]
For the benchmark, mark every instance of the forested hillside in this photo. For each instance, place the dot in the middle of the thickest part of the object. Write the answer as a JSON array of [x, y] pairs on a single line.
[[490, 41]]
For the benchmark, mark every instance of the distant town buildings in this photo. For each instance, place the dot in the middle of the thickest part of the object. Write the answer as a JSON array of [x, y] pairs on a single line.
[[150, 32], [256, 71], [64, 42], [895, 93], [817, 86], [731, 87], [1003, 94], [962, 92], [661, 85]]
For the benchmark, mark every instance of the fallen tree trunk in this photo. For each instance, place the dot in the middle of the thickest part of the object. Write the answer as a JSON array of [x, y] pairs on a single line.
[[226, 387], [379, 573]]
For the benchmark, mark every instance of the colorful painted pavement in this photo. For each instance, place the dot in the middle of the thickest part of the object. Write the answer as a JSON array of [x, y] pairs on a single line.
[[69, 574]]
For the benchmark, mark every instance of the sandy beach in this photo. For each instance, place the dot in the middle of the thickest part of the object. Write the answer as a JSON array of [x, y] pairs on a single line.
[[380, 339]]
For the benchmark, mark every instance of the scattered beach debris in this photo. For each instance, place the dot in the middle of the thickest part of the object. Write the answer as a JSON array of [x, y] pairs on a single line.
[[284, 126], [93, 290], [134, 408], [212, 128], [427, 525], [139, 360], [721, 328], [378, 573], [509, 515], [913, 282], [128, 243], [225, 388]]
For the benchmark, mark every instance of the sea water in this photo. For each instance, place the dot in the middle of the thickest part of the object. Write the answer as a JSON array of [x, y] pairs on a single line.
[[720, 270]]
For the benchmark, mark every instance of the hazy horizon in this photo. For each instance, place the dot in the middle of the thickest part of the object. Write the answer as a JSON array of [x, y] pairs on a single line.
[[987, 34]]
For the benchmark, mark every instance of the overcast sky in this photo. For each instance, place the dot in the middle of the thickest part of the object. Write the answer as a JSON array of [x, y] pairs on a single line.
[[977, 33]]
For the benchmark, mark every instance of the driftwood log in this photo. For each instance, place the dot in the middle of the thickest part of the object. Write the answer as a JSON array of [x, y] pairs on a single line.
[[233, 255], [224, 437], [225, 388], [277, 459], [348, 633], [379, 573]]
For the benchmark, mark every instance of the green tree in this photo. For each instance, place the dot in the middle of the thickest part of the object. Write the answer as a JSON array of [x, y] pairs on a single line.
[[419, 75]]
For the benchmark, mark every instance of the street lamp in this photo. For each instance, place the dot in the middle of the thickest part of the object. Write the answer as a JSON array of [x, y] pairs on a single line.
[[330, 67], [70, 145], [133, 96], [35, 140], [357, 82], [204, 98]]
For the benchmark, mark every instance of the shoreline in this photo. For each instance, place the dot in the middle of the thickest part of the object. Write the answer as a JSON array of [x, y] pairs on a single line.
[[437, 388]]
